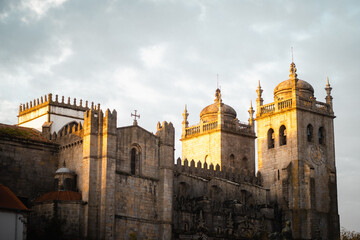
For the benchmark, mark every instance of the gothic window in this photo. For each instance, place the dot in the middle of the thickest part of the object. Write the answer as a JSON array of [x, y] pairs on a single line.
[[282, 135], [244, 162], [309, 133], [135, 161], [232, 160], [271, 138], [321, 135]]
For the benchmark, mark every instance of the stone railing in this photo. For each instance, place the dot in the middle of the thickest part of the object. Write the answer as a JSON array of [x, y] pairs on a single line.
[[285, 104], [310, 104], [234, 126], [210, 126], [268, 108], [210, 171]]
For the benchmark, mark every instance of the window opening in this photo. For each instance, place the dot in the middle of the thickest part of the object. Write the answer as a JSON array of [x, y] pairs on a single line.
[[309, 133], [282, 135], [271, 138]]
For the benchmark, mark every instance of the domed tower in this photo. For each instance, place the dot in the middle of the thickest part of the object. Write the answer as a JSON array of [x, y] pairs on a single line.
[[296, 157], [219, 138]]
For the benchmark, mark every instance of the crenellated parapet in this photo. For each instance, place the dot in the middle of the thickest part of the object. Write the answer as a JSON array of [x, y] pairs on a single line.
[[48, 100], [210, 171]]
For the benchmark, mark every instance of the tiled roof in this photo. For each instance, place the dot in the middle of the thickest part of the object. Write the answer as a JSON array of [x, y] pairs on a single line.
[[59, 196], [8, 200], [13, 131]]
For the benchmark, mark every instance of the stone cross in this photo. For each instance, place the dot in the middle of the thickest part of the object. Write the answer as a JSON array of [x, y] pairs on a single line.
[[135, 116]]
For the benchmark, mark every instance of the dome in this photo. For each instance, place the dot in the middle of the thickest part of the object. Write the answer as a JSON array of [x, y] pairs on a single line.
[[209, 113], [213, 109], [283, 89], [63, 170]]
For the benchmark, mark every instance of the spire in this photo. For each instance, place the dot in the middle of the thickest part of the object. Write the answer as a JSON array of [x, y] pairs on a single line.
[[328, 97]]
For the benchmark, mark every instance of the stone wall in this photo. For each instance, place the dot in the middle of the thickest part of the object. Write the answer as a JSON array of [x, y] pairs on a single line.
[[68, 213], [203, 148], [28, 167]]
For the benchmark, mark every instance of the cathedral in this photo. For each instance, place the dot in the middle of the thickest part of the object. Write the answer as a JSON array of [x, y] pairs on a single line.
[[84, 177]]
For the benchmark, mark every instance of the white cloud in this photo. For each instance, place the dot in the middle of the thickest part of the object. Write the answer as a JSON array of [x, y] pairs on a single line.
[[153, 56], [40, 7]]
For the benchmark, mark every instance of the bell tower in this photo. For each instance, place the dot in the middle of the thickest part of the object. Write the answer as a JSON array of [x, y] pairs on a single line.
[[296, 157]]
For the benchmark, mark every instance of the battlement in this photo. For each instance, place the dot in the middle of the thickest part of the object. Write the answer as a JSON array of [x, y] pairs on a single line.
[[210, 171], [48, 100], [302, 103], [233, 126]]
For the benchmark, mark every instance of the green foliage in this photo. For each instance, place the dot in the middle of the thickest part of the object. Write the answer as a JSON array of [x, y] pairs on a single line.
[[133, 236], [349, 235], [14, 132]]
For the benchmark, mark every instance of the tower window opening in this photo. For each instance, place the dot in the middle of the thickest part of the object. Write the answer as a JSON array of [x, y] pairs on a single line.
[[321, 135], [282, 135], [271, 138], [309, 133]]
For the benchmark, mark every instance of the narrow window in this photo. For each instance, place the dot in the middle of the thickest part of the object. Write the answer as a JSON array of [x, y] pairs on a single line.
[[321, 135], [278, 174], [133, 161], [309, 133], [271, 138], [282, 135]]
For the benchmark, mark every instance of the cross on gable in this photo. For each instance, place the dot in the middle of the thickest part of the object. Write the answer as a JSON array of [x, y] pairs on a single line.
[[135, 116]]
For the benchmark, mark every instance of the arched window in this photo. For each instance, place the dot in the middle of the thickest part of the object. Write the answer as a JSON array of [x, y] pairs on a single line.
[[309, 133], [282, 135], [271, 138], [186, 227], [321, 135], [135, 161], [68, 184]]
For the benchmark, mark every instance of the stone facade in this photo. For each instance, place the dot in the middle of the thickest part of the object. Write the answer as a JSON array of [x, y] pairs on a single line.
[[115, 182]]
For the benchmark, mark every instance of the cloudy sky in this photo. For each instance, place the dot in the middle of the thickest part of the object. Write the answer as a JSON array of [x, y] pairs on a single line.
[[156, 56]]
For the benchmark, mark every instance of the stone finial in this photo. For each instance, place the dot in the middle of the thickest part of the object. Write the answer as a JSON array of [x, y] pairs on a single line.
[[74, 101], [185, 115], [62, 99], [259, 91], [293, 71], [328, 89], [68, 101], [251, 116], [218, 96]]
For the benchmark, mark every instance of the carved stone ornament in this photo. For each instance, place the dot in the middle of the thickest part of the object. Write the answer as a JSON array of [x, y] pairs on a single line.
[[317, 155]]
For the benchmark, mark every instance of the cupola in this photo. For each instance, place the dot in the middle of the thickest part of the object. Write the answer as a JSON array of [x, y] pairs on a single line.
[[284, 89]]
